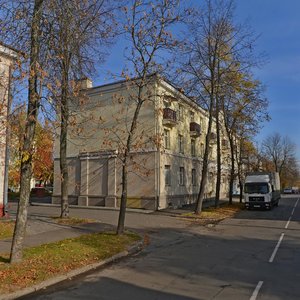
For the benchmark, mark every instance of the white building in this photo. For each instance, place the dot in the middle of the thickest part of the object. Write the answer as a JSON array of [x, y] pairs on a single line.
[[166, 157], [7, 58]]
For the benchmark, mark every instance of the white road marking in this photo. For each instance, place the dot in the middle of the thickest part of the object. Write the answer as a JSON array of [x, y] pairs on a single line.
[[276, 248], [260, 283], [255, 293], [295, 206], [288, 222]]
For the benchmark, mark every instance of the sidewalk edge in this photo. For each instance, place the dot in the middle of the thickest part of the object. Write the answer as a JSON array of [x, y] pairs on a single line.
[[129, 210]]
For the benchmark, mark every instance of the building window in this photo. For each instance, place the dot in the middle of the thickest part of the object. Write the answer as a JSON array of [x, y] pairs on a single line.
[[192, 115], [167, 138], [193, 176], [180, 143], [193, 147], [181, 176], [223, 179], [202, 149], [180, 112], [167, 104], [201, 122], [210, 155], [167, 175]]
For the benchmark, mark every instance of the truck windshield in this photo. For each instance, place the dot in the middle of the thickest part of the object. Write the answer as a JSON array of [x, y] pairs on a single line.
[[256, 188]]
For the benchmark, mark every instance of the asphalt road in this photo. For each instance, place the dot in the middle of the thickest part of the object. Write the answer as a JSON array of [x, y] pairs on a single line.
[[255, 255]]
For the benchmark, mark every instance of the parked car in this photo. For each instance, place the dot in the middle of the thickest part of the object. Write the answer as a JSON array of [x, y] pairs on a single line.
[[288, 191], [49, 189], [38, 191]]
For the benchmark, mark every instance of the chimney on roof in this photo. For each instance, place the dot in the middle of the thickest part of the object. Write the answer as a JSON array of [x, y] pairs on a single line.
[[85, 83]]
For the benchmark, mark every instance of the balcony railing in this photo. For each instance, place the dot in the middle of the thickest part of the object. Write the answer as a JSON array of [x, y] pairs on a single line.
[[195, 129], [169, 117]]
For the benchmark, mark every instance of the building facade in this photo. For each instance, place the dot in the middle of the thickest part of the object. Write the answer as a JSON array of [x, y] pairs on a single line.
[[7, 58], [167, 148]]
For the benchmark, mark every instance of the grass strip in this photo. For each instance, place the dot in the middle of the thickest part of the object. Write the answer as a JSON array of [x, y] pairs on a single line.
[[6, 229], [214, 215], [72, 221], [7, 226], [43, 262]]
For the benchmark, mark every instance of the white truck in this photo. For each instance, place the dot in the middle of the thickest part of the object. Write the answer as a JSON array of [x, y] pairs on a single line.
[[262, 190]]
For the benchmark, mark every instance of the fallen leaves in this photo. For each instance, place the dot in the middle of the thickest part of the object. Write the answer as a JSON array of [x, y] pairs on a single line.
[[213, 215], [49, 260]]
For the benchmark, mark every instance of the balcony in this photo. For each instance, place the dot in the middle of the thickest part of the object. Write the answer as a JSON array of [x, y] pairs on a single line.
[[195, 129], [169, 117]]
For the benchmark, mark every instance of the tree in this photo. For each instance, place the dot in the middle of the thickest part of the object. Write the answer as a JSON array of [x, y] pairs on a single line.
[[247, 159], [148, 28], [42, 160], [31, 120], [79, 30], [290, 174], [244, 108], [215, 45], [17, 128], [280, 150]]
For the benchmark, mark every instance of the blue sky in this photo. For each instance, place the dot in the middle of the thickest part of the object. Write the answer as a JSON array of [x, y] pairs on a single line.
[[278, 24]]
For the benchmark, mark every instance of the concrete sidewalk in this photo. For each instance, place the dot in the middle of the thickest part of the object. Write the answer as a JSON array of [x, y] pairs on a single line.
[[42, 230]]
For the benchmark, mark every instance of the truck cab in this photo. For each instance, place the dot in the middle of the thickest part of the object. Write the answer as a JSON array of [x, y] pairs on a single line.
[[261, 190]]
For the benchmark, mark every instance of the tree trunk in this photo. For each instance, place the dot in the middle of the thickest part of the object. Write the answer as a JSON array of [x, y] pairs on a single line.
[[239, 167], [121, 221], [218, 181], [204, 173], [232, 170], [122, 213], [241, 190], [63, 145], [27, 151]]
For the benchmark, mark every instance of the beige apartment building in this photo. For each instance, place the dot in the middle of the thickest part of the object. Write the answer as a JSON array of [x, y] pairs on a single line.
[[7, 58], [166, 157]]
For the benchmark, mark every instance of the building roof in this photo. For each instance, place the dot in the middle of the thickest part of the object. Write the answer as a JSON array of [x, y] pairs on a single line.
[[9, 50], [179, 91]]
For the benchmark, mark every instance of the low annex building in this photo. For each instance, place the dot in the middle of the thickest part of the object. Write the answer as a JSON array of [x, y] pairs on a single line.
[[166, 158]]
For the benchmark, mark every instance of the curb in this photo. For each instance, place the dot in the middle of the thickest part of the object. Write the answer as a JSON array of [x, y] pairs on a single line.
[[52, 281], [130, 210]]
